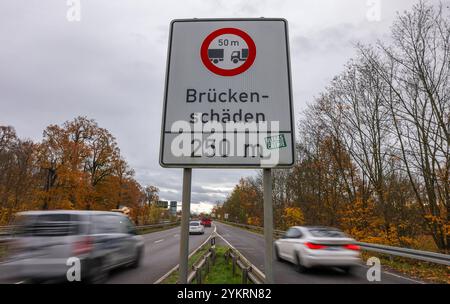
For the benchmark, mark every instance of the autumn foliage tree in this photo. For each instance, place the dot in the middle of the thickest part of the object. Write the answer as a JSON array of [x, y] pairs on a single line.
[[18, 177], [77, 165]]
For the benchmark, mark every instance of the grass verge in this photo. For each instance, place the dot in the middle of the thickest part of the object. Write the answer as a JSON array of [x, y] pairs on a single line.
[[220, 272]]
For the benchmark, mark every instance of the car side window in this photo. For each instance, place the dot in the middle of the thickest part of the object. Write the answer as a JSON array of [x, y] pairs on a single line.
[[131, 228], [109, 224], [298, 234], [293, 233]]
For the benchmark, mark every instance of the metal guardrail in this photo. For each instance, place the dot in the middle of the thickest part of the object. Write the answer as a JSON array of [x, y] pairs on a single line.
[[426, 256], [204, 264], [176, 268], [248, 270], [160, 225], [207, 261], [5, 233], [6, 230]]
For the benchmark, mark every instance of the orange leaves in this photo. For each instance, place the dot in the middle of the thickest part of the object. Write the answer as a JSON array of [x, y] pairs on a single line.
[[254, 221], [244, 202], [292, 216]]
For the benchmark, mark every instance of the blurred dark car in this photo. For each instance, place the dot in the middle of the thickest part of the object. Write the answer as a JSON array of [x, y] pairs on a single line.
[[44, 241], [206, 222]]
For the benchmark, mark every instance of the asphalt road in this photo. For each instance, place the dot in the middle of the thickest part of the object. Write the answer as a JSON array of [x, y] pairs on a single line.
[[162, 254], [162, 250], [251, 245]]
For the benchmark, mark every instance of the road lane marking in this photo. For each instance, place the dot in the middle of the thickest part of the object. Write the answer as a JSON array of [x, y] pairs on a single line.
[[20, 282], [158, 241]]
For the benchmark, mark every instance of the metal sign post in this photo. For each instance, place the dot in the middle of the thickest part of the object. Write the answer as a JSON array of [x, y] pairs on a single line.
[[185, 215], [268, 226]]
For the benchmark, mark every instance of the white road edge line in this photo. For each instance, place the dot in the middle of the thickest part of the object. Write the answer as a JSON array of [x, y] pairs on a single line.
[[190, 255], [402, 277], [158, 241], [20, 282]]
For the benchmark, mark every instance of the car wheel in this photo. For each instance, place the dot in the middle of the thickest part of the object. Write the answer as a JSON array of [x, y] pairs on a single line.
[[277, 254], [98, 274], [300, 267], [137, 259]]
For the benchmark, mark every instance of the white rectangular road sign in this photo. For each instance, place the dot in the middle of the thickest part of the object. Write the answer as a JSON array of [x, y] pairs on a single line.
[[228, 99]]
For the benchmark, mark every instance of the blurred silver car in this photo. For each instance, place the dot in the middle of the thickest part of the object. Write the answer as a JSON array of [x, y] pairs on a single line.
[[195, 227], [45, 240], [317, 246]]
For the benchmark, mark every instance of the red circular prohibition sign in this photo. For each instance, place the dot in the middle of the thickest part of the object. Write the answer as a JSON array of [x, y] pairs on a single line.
[[228, 72]]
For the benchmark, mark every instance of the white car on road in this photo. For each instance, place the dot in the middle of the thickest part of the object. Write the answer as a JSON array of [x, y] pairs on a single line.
[[195, 227], [307, 247]]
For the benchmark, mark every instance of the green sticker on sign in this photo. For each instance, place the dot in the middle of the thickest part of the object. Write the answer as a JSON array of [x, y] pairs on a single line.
[[275, 142]]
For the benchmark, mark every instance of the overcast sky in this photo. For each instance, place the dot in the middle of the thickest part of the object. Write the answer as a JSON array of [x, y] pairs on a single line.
[[110, 66]]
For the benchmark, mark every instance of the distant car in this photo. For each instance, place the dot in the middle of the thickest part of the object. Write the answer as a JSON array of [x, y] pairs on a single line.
[[195, 227], [45, 240], [206, 222], [308, 247]]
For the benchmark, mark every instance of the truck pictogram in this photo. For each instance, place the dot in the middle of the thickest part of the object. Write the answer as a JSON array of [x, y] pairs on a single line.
[[237, 56], [215, 55]]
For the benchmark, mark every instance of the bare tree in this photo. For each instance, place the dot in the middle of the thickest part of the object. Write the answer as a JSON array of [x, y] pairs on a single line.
[[417, 70]]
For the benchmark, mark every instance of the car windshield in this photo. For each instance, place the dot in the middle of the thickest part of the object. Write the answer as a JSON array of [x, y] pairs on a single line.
[[326, 232], [194, 224]]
